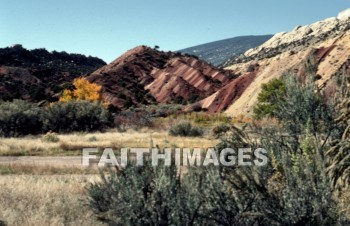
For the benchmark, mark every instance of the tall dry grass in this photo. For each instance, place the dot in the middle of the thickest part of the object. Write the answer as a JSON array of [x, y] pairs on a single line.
[[45, 200], [72, 144]]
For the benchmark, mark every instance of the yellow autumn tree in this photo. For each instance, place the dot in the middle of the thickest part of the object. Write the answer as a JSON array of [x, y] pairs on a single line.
[[84, 90]]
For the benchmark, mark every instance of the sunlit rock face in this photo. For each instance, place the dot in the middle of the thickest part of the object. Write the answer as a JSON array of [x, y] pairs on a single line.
[[344, 15], [327, 42]]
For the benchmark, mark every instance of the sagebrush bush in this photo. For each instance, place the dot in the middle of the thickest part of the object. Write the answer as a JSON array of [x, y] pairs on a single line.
[[93, 139], [51, 138], [186, 129], [19, 118], [219, 130], [132, 120], [143, 196]]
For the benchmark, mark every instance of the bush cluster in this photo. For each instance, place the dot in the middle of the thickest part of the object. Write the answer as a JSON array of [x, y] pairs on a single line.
[[221, 129], [186, 129], [19, 118], [75, 116], [213, 196], [132, 120]]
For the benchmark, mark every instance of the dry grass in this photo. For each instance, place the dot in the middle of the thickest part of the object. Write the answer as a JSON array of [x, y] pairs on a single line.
[[31, 169], [45, 200], [345, 204], [72, 144]]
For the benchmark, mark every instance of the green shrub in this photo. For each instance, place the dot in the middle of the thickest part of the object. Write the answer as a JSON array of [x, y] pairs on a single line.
[[221, 129], [64, 117], [293, 189], [143, 196], [92, 139], [19, 118], [50, 138], [186, 129]]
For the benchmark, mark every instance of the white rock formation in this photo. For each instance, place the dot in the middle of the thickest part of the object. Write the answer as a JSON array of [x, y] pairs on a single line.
[[303, 32], [344, 15]]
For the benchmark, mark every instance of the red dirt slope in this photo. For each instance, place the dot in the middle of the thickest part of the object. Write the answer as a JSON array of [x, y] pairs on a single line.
[[223, 98], [144, 75]]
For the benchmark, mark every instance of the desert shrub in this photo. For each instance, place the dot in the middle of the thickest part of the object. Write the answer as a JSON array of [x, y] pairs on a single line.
[[194, 98], [143, 196], [252, 67], [92, 139], [179, 100], [203, 119], [63, 117], [290, 190], [302, 105], [132, 120], [185, 129], [19, 118], [51, 138], [297, 189], [162, 110], [196, 107], [221, 129]]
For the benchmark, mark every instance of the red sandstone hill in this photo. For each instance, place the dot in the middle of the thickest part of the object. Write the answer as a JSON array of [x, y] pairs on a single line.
[[144, 76]]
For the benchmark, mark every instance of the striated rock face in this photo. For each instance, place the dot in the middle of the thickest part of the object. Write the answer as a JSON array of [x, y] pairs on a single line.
[[327, 42], [224, 97], [145, 76], [296, 40]]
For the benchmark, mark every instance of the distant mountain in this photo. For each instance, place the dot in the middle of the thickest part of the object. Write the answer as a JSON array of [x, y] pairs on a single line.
[[147, 76], [37, 74], [217, 53]]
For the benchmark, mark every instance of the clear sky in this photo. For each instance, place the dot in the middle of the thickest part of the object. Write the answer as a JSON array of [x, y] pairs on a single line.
[[107, 28]]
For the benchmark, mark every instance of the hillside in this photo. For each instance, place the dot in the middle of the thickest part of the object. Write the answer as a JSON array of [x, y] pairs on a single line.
[[218, 52], [37, 74], [146, 76], [326, 42]]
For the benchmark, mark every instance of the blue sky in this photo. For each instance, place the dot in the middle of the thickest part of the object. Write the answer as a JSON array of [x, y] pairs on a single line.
[[107, 28]]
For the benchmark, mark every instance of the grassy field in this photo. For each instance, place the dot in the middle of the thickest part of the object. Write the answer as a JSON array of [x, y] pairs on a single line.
[[53, 195], [45, 200], [30, 198], [57, 195], [72, 144]]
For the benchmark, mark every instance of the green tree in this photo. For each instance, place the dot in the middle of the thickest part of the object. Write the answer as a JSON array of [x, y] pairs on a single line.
[[269, 98]]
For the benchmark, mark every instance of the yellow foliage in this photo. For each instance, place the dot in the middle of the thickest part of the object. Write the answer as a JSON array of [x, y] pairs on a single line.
[[66, 96], [84, 90]]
